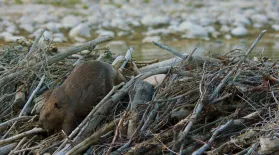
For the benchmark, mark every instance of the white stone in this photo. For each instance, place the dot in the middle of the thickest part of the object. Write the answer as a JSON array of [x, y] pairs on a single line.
[[51, 26], [161, 31], [149, 39], [12, 29], [27, 27], [105, 33], [151, 20], [43, 18], [46, 35], [122, 33], [239, 31], [59, 38], [225, 28], [11, 38], [25, 20], [210, 29], [275, 27], [81, 30], [70, 21], [259, 19], [240, 19], [228, 36], [193, 30], [119, 23], [207, 21]]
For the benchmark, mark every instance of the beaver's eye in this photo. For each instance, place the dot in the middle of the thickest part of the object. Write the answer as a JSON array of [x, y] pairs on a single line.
[[56, 105]]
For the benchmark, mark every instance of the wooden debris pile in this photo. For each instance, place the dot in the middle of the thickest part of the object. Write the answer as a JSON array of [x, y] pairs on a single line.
[[197, 105]]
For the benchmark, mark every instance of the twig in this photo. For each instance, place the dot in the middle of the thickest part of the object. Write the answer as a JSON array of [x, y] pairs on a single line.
[[35, 43], [61, 55], [24, 134], [116, 133], [226, 78], [173, 51], [18, 145], [128, 57], [210, 141], [252, 149], [31, 97], [22, 118]]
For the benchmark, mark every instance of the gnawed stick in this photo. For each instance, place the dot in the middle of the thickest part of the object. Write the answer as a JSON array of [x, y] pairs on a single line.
[[35, 43], [23, 111], [173, 51], [18, 136], [93, 139], [9, 122]]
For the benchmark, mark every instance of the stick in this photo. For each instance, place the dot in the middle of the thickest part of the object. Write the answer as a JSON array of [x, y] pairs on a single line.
[[128, 57], [173, 51], [210, 141], [22, 118], [226, 78], [31, 97], [35, 43], [61, 55], [24, 134], [93, 139]]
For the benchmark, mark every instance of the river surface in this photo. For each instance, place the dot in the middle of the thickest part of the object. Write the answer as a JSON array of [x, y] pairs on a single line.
[[269, 45]]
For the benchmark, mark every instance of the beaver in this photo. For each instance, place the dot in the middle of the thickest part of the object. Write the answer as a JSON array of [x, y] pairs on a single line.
[[70, 103]]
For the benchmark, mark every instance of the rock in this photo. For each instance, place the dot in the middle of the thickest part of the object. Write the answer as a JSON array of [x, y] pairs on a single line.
[[161, 31], [239, 31], [59, 38], [225, 28], [12, 29], [105, 33], [192, 30], [44, 17], [27, 27], [11, 38], [70, 21], [119, 23], [240, 19], [228, 36], [275, 27], [207, 21], [47, 34], [122, 33], [149, 39], [259, 19], [25, 20], [53, 27], [81, 30], [151, 20], [119, 2]]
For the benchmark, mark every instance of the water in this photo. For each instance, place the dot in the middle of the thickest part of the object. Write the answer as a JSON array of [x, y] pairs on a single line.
[[269, 45]]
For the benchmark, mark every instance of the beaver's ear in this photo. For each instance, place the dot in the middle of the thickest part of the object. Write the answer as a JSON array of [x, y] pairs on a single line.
[[57, 106]]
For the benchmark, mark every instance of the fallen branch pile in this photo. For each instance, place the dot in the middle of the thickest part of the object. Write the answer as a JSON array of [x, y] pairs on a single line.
[[222, 105]]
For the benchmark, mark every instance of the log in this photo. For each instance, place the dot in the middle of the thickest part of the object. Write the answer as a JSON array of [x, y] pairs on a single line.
[[141, 94], [7, 148]]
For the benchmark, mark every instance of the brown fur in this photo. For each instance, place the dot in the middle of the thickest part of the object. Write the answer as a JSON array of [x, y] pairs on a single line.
[[70, 103]]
